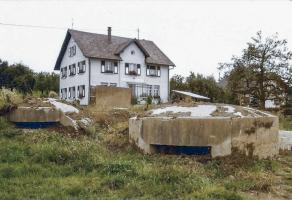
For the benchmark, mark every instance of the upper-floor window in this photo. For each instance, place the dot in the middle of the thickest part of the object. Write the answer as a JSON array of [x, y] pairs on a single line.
[[109, 67], [132, 52], [81, 67], [132, 69], [63, 72], [152, 71], [72, 51], [72, 69], [81, 91]]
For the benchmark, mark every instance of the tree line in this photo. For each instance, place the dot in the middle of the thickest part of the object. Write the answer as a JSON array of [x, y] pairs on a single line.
[[23, 79], [263, 72]]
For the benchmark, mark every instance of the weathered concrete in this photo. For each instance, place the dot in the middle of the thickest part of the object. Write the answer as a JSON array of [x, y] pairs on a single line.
[[40, 114], [252, 136], [112, 97]]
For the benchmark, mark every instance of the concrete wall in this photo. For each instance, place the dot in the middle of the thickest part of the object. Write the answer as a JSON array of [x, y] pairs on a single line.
[[112, 96], [249, 136], [42, 114]]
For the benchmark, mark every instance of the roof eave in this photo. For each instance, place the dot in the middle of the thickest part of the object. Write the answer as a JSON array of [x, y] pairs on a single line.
[[62, 51]]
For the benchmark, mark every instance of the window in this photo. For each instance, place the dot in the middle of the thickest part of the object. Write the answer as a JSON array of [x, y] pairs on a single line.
[[104, 83], [72, 51], [132, 52], [64, 93], [153, 71], [64, 72], [72, 70], [109, 67], [149, 90], [81, 67], [156, 90], [72, 92], [108, 84], [132, 69], [81, 91]]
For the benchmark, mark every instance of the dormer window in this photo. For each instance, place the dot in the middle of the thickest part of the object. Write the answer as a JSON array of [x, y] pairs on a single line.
[[110, 67], [81, 67], [72, 51], [153, 71], [132, 69]]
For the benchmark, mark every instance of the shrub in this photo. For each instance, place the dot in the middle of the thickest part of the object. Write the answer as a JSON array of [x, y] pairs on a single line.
[[9, 99], [53, 94], [149, 100], [134, 101]]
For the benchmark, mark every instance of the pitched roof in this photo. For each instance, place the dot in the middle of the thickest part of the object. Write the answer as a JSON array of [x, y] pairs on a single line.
[[95, 45]]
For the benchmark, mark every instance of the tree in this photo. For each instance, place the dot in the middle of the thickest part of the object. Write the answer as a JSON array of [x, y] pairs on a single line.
[[262, 71], [199, 84], [177, 82], [206, 86]]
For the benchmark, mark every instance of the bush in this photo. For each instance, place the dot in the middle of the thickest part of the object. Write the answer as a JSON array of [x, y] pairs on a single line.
[[53, 94], [149, 100], [9, 99], [134, 101]]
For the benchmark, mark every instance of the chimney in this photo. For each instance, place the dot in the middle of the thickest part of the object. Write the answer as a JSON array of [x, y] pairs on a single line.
[[109, 33]]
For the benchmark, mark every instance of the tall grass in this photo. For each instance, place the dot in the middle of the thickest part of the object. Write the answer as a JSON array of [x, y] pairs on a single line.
[[45, 164], [9, 98]]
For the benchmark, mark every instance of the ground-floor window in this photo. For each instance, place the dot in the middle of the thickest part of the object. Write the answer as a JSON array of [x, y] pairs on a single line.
[[64, 93], [81, 91], [108, 84], [144, 90], [72, 92]]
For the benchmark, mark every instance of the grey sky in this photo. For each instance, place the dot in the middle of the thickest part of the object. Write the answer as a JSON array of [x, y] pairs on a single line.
[[196, 35]]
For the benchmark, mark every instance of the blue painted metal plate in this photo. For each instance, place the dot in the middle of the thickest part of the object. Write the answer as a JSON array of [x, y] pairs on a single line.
[[186, 150], [35, 125]]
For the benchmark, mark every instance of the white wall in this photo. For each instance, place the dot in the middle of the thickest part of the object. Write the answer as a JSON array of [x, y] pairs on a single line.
[[122, 79], [78, 79]]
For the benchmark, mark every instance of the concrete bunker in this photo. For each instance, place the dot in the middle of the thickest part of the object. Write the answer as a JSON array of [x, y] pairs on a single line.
[[223, 129], [43, 114]]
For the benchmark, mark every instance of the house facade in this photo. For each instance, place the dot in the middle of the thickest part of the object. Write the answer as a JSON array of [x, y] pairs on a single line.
[[88, 59]]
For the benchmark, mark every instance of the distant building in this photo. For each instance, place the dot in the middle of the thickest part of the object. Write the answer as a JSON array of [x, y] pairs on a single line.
[[90, 59]]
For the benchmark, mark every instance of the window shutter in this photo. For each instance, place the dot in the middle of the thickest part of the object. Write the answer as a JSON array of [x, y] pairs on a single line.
[[147, 71], [158, 71], [127, 68], [102, 65], [139, 69], [83, 91], [115, 67]]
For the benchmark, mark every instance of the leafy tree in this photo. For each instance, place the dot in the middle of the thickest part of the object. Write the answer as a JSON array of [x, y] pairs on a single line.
[[22, 78], [262, 71], [199, 84], [177, 82]]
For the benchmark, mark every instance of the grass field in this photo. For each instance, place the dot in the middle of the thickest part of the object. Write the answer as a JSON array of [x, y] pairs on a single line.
[[100, 164]]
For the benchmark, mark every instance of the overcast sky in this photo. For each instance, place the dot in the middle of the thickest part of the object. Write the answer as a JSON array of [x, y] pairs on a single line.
[[195, 35]]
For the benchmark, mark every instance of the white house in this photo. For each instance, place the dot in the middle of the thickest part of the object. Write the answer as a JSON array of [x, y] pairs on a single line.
[[90, 59]]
